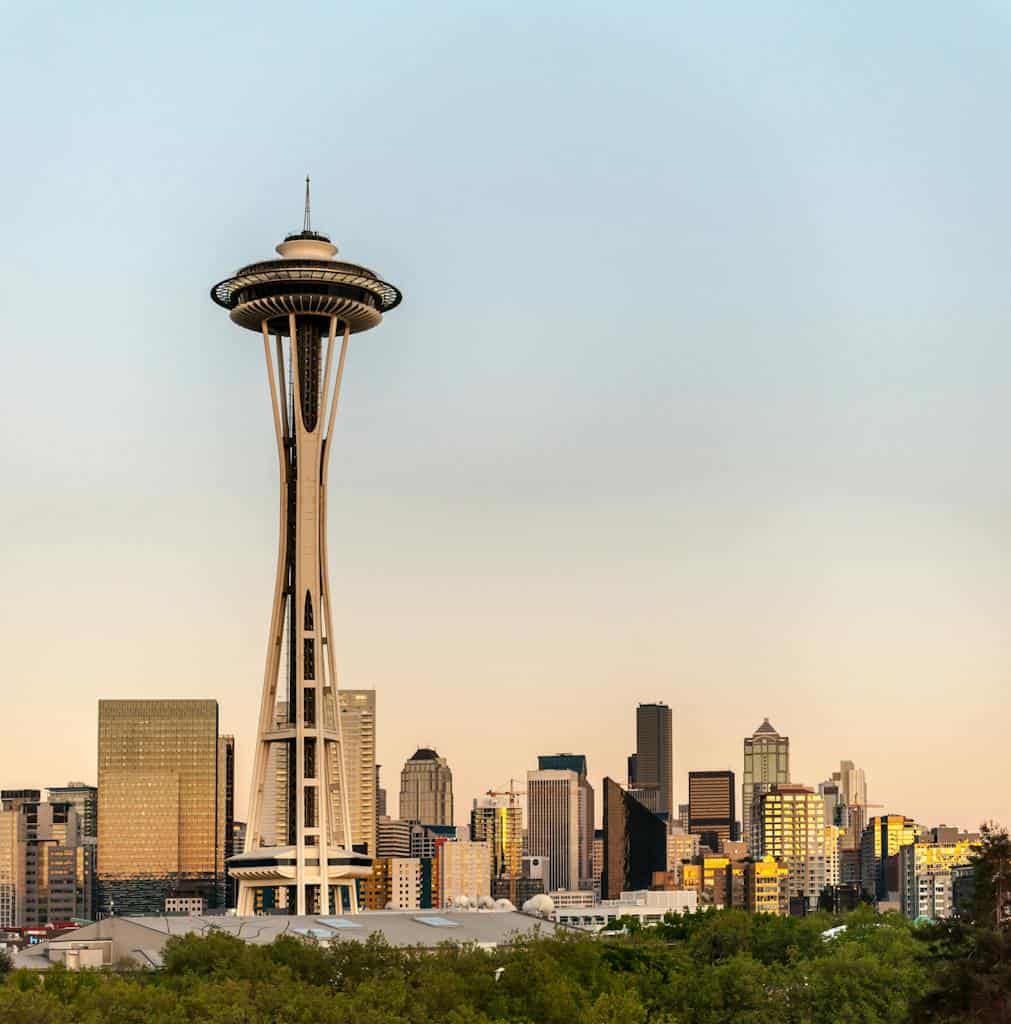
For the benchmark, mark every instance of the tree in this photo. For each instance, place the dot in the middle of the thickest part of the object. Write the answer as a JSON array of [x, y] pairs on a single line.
[[6, 962]]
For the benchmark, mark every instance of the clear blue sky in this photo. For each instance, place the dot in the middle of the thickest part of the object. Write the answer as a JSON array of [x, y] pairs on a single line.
[[699, 391]]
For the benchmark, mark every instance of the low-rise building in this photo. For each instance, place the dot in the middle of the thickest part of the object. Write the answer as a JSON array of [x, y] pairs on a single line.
[[648, 906], [767, 887], [192, 906]]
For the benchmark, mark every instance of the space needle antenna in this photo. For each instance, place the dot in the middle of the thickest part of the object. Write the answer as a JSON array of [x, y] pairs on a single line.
[[307, 223]]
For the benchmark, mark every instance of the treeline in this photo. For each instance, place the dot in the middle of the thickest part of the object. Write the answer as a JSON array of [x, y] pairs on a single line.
[[716, 967]]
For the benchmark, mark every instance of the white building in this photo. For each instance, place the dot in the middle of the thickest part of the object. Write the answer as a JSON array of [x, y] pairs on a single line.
[[553, 824], [193, 906], [648, 906], [464, 870], [405, 883], [572, 898]]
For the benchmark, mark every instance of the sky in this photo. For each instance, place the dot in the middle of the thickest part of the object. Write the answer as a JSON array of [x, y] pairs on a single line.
[[698, 392]]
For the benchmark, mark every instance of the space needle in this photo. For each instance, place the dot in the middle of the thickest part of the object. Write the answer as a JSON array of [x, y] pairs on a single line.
[[305, 304]]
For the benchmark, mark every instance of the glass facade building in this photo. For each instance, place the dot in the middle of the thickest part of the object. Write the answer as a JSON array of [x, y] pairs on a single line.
[[164, 785], [635, 843], [651, 767]]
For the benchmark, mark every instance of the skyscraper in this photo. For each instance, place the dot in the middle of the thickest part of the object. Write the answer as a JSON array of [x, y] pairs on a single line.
[[651, 767], [305, 305], [882, 838], [711, 812], [161, 804], [560, 826], [635, 843], [498, 821], [791, 822], [358, 725], [766, 764], [426, 789]]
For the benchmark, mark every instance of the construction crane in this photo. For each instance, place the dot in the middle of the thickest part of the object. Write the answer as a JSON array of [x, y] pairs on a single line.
[[512, 792]]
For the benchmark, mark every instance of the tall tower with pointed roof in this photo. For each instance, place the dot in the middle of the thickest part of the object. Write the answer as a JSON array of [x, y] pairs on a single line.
[[766, 764], [305, 305]]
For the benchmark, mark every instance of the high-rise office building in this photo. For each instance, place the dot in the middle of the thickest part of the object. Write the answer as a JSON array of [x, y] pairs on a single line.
[[635, 843], [651, 767], [792, 829], [426, 789], [585, 811], [161, 804], [498, 821], [358, 728], [553, 824], [766, 764], [305, 306], [711, 807], [881, 840]]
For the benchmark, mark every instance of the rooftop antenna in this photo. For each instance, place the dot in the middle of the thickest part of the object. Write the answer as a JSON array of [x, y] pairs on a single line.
[[306, 223]]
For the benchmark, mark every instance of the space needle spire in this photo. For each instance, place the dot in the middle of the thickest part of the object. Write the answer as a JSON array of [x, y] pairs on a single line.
[[305, 305]]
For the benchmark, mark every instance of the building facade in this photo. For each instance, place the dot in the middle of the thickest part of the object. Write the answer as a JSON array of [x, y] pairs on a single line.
[[766, 887], [358, 733], [560, 811], [712, 812], [792, 830], [498, 821], [161, 804], [47, 861], [651, 767], [635, 843], [464, 871], [766, 764], [426, 789], [881, 840], [926, 873]]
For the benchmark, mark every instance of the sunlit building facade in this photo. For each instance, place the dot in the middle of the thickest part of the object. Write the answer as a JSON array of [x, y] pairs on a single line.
[[162, 804], [880, 843], [791, 826], [925, 876], [766, 764], [767, 887], [496, 821]]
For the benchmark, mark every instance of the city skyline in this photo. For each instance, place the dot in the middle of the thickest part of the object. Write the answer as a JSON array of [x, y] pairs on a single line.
[[774, 487]]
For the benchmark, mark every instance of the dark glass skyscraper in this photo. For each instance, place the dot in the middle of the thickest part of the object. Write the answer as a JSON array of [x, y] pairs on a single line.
[[635, 843], [651, 767]]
